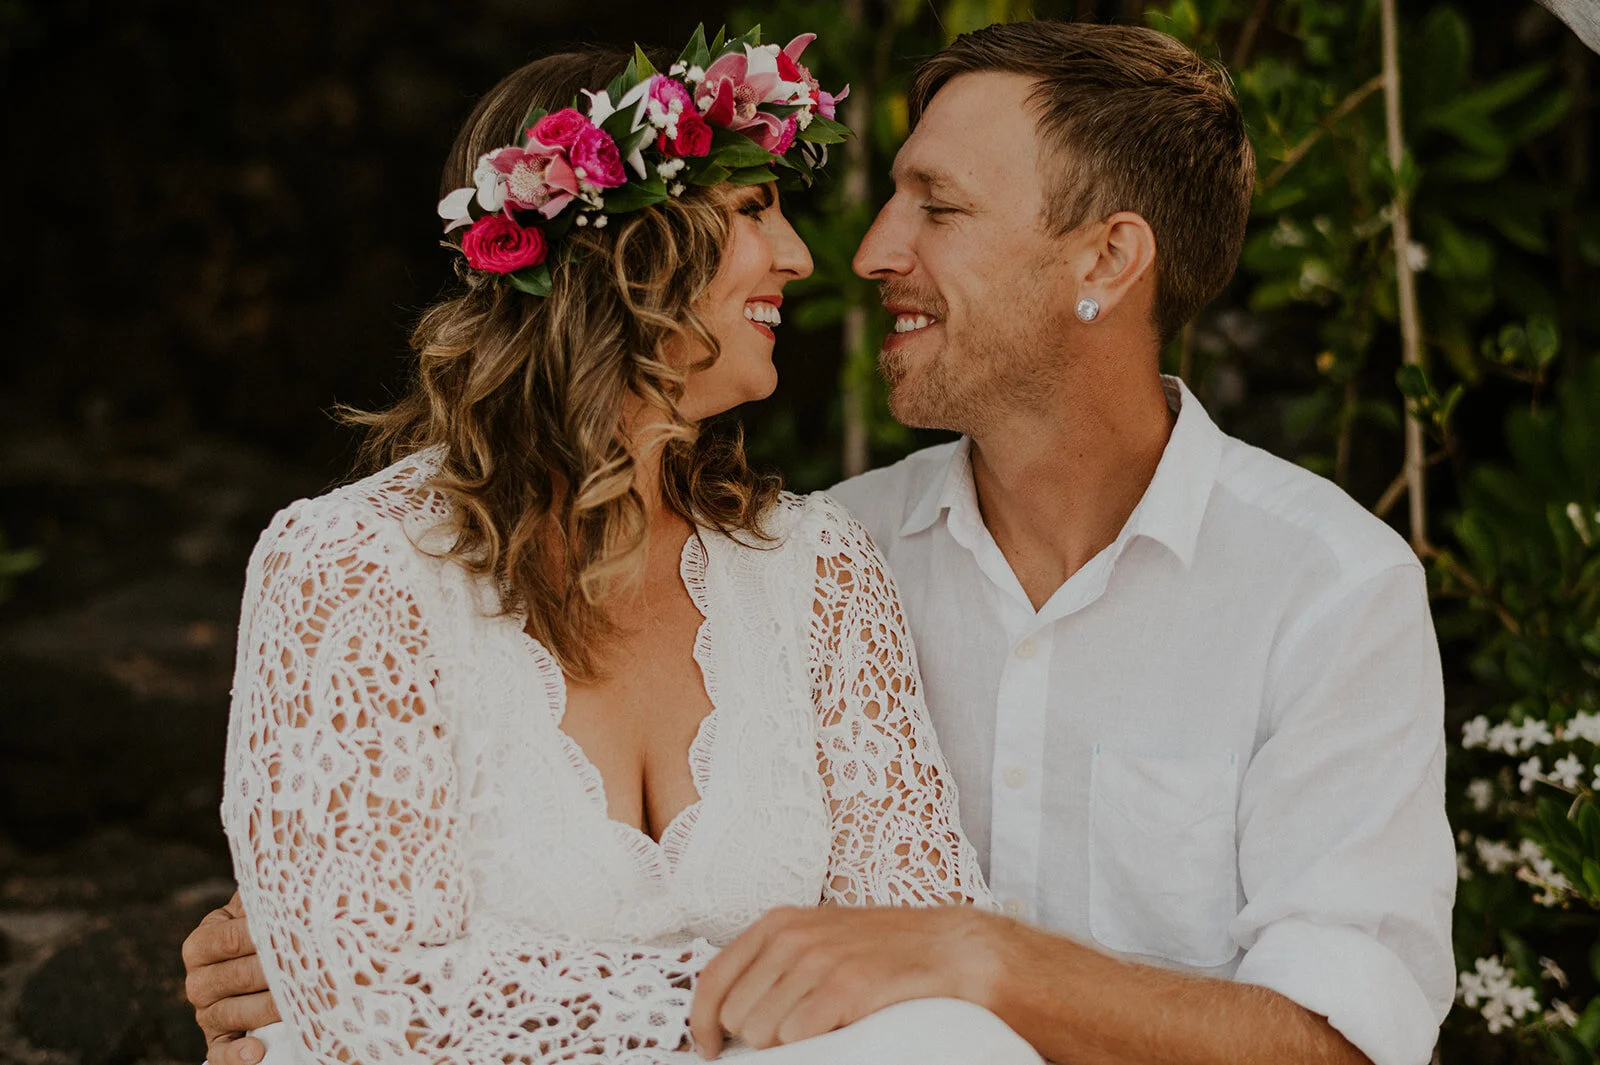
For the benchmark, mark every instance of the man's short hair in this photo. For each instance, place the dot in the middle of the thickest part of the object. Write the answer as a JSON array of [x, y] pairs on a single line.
[[1131, 121]]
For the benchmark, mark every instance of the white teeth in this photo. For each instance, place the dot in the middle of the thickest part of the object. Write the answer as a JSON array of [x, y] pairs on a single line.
[[763, 312], [907, 323]]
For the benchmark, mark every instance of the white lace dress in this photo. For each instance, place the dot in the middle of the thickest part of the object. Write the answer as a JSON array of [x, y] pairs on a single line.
[[425, 857]]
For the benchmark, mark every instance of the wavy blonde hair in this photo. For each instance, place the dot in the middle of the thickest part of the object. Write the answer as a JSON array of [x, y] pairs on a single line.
[[527, 395]]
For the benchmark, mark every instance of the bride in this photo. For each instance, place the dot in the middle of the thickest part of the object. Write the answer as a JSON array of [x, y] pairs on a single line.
[[564, 696]]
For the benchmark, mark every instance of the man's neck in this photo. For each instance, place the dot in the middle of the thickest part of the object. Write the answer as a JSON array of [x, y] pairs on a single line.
[[1056, 487]]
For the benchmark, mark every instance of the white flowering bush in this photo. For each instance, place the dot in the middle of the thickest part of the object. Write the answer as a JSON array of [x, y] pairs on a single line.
[[1525, 774]]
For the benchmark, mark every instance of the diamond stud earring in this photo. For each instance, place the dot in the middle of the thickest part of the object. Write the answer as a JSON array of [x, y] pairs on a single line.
[[1088, 309]]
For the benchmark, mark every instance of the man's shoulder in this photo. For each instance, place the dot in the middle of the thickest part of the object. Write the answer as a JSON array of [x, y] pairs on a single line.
[[1282, 499], [882, 498]]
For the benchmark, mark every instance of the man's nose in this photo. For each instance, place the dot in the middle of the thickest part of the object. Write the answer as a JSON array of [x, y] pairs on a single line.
[[886, 249]]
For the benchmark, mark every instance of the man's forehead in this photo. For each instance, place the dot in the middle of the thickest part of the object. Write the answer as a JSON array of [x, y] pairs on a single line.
[[976, 128]]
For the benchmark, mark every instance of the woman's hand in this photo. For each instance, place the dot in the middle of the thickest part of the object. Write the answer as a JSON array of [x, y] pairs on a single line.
[[226, 986]]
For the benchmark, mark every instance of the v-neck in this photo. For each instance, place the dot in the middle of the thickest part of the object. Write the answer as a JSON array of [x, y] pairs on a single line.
[[657, 858]]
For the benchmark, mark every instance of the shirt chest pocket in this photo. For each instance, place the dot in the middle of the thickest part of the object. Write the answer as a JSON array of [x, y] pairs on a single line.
[[1163, 876]]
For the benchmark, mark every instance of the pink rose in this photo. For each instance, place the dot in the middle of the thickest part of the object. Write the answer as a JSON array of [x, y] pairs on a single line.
[[595, 153], [693, 139], [664, 90], [560, 129], [497, 245]]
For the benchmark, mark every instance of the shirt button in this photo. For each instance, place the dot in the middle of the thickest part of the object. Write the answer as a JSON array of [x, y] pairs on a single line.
[[1012, 907], [1015, 776], [1026, 649]]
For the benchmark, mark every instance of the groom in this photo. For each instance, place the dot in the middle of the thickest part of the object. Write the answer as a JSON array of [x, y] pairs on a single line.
[[1190, 693]]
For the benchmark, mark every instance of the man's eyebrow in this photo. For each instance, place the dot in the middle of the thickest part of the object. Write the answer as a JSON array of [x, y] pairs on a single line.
[[932, 177]]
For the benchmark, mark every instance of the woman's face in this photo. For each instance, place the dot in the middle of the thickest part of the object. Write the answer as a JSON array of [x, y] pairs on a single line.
[[764, 253]]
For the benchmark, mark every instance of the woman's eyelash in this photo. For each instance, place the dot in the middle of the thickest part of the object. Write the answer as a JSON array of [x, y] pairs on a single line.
[[755, 208]]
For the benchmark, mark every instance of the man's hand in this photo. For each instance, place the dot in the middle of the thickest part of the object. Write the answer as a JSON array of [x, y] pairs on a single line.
[[797, 973], [226, 986]]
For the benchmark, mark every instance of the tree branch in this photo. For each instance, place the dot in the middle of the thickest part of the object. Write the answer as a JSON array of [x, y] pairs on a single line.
[[1410, 329], [1309, 141]]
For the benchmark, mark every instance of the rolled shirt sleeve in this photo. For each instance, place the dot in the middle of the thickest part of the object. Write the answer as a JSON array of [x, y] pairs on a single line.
[[1345, 854]]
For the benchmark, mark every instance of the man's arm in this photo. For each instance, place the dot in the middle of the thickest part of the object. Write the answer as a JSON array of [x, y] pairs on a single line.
[[799, 973], [1079, 1007], [226, 986]]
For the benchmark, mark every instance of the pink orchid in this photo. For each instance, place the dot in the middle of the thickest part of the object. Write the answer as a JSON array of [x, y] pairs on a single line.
[[735, 87], [536, 178], [828, 103]]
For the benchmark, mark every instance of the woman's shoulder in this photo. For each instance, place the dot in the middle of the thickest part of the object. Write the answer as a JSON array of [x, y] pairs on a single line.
[[385, 516], [816, 525]]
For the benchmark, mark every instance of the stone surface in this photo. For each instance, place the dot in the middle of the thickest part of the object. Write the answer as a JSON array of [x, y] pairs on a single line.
[[114, 994]]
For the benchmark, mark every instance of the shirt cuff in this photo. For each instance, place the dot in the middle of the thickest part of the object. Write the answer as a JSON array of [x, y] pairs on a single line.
[[1362, 988]]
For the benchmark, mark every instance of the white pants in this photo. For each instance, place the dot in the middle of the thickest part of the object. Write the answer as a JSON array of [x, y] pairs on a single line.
[[931, 1031]]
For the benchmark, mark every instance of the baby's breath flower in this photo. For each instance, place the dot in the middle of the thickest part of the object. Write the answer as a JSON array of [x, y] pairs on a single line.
[[1584, 726], [1566, 772], [1536, 733], [1504, 737], [1490, 989], [1496, 855]]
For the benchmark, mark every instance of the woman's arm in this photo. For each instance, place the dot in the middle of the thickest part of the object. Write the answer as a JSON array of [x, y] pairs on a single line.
[[341, 808], [897, 839]]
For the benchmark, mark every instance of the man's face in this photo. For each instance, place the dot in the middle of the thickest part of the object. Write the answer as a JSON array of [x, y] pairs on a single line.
[[980, 291]]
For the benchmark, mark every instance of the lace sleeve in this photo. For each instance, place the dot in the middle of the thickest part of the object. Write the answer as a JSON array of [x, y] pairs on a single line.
[[896, 836], [340, 805]]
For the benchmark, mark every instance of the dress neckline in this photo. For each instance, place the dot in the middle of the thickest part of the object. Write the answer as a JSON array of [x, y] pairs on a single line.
[[656, 858]]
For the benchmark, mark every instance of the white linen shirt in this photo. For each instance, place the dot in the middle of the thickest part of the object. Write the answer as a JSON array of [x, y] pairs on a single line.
[[1218, 747]]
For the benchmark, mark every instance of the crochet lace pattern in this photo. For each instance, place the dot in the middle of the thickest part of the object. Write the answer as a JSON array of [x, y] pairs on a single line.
[[424, 855]]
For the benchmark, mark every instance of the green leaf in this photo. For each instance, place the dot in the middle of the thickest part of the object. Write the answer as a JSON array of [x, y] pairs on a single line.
[[751, 175], [619, 125], [696, 53], [642, 63], [826, 131], [1589, 825], [711, 175], [1569, 1050], [1544, 115], [740, 153], [634, 196], [1544, 339], [719, 41], [815, 134], [1413, 382], [534, 280], [1561, 834], [1591, 876], [1587, 1030]]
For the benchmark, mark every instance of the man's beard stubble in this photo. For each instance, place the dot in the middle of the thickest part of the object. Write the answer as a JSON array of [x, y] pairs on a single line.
[[1007, 364]]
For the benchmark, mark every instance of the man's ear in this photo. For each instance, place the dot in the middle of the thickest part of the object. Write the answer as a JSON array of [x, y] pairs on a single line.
[[1118, 259]]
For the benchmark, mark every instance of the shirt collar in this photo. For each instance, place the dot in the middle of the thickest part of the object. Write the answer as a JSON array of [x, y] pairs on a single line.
[[1173, 505]]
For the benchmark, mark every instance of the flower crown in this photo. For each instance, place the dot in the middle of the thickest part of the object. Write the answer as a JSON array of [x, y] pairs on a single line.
[[734, 111]]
